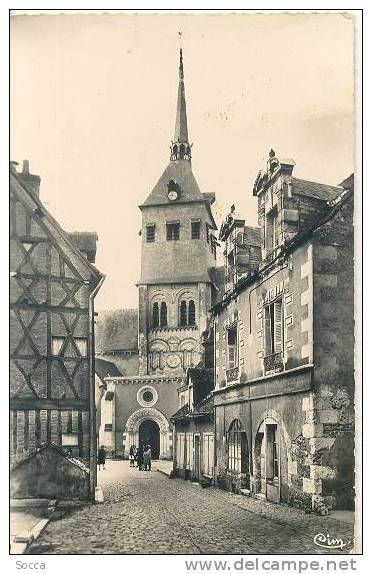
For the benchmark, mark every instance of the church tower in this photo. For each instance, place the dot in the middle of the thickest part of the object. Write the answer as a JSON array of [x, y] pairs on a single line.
[[178, 259]]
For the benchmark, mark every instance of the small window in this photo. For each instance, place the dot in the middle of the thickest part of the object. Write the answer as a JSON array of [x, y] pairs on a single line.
[[274, 327], [195, 230], [191, 316], [155, 315], [272, 230], [82, 345], [150, 233], [163, 315], [183, 313], [173, 231], [57, 344], [108, 427], [232, 346]]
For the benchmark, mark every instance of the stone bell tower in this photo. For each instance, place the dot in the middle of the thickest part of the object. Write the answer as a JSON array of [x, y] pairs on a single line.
[[177, 260]]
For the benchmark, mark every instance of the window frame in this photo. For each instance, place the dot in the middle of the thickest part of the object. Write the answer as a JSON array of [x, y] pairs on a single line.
[[163, 314], [274, 327], [173, 230], [155, 318], [232, 347], [234, 446], [195, 231]]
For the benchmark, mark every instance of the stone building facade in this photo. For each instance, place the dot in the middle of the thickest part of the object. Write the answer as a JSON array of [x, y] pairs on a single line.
[[177, 288], [194, 427], [283, 334], [52, 288]]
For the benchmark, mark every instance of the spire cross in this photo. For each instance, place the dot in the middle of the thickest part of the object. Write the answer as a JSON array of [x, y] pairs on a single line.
[[181, 57]]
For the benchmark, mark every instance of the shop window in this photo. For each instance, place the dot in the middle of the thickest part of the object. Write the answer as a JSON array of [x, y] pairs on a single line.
[[272, 453], [234, 446], [163, 315], [274, 327], [150, 233], [173, 231], [189, 451], [208, 454], [180, 450]]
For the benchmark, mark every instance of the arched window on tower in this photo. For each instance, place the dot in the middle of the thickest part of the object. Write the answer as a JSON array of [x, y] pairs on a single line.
[[163, 315], [191, 317], [183, 313], [175, 149], [155, 315], [182, 151]]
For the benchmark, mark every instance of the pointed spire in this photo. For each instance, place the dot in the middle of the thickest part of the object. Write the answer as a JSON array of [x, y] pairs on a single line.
[[181, 148]]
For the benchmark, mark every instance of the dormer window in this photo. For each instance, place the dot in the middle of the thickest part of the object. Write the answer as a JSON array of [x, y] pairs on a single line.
[[272, 229]]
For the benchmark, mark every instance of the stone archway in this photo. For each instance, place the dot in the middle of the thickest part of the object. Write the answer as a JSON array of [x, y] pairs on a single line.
[[272, 483], [131, 431]]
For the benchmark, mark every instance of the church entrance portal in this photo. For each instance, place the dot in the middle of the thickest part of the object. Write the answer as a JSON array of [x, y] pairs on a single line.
[[149, 433]]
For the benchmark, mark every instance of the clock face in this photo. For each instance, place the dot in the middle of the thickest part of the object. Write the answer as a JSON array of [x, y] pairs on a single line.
[[172, 195]]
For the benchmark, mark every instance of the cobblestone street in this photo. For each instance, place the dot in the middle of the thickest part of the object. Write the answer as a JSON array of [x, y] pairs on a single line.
[[148, 513]]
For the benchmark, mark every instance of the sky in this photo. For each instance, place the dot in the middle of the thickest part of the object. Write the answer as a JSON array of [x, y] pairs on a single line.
[[93, 108]]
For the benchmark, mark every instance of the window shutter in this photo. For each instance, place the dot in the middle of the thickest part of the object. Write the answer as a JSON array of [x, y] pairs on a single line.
[[278, 326], [267, 331]]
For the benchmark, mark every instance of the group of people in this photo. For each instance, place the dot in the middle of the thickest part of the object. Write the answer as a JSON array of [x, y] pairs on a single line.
[[140, 455]]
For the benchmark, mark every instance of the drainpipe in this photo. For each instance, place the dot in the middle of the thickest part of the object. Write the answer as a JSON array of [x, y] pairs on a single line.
[[92, 397]]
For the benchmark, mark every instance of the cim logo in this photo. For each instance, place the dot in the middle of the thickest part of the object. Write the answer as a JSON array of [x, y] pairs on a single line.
[[325, 541]]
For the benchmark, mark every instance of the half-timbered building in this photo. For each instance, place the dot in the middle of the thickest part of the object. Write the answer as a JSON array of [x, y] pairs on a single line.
[[52, 288]]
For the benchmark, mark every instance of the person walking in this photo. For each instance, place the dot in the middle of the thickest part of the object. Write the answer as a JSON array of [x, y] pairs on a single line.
[[101, 458], [147, 457], [140, 457], [132, 454]]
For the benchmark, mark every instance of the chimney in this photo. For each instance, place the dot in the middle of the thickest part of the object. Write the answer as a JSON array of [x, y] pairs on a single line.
[[31, 181]]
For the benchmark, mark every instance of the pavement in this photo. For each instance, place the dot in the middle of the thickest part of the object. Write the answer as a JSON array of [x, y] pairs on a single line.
[[149, 513]]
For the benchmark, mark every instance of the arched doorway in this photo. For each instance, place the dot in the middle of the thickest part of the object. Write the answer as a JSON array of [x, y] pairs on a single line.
[[149, 433], [131, 435]]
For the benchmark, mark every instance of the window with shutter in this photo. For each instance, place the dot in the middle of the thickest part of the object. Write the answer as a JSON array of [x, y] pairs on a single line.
[[232, 347], [273, 327], [278, 326]]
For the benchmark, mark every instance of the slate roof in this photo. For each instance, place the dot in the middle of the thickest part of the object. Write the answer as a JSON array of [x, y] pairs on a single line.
[[117, 330], [205, 407], [181, 413], [85, 241], [202, 409], [106, 369], [316, 190]]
